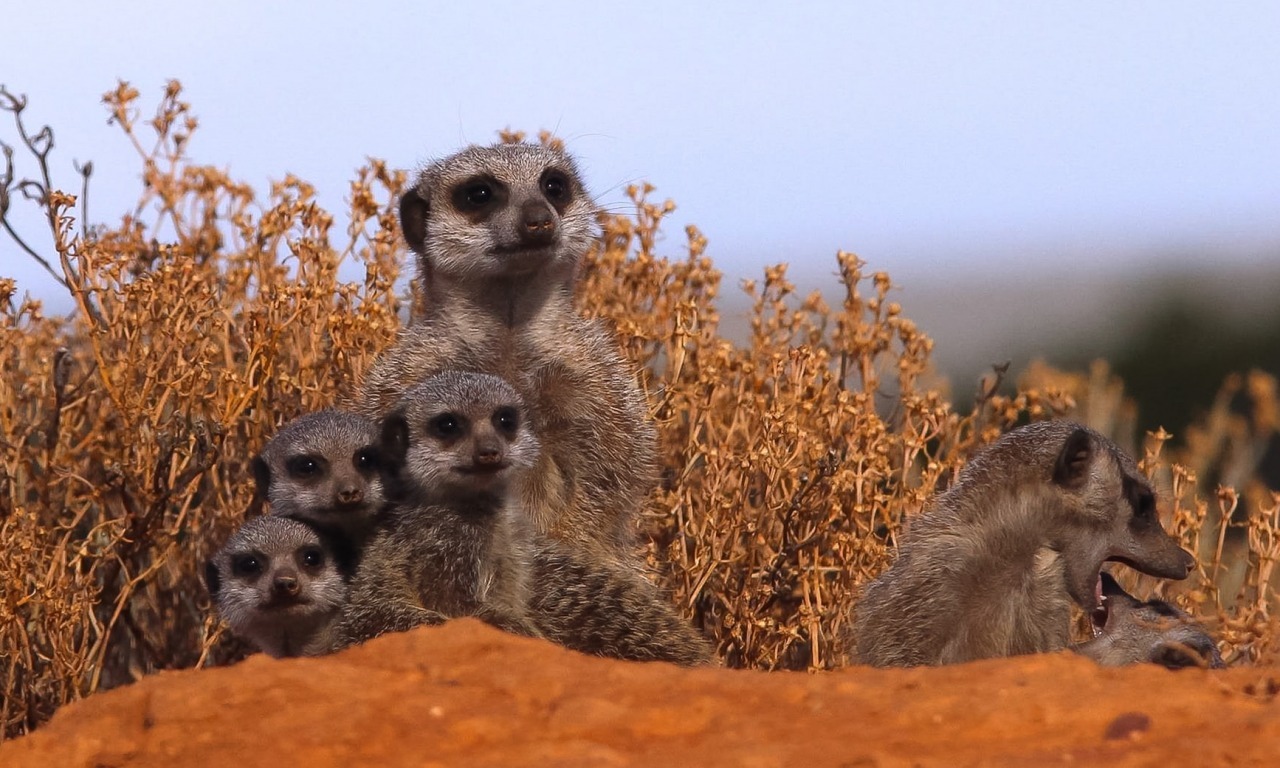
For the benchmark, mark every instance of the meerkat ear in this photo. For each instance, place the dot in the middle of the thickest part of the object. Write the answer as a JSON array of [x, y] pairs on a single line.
[[261, 477], [1072, 467], [393, 442], [413, 218], [212, 579]]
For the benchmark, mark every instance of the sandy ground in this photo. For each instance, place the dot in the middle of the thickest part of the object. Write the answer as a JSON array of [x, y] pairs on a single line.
[[465, 694]]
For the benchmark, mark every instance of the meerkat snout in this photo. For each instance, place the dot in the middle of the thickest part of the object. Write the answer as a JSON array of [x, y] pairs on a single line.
[[539, 224]]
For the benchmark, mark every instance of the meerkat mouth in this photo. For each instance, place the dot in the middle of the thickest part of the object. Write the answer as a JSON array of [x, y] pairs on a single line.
[[1101, 611], [285, 602], [482, 469]]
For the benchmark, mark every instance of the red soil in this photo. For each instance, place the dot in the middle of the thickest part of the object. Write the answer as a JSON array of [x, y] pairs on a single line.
[[465, 694]]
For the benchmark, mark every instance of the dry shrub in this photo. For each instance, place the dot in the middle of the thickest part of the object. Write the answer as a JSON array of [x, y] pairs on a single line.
[[207, 318]]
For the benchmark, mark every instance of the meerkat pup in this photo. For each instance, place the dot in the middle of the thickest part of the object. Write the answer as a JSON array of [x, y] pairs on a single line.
[[499, 233], [455, 542], [993, 564], [279, 585], [323, 468], [1130, 631]]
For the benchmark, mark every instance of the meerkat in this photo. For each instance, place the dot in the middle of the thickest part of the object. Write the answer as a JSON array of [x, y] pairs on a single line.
[[499, 233], [278, 584], [457, 543], [454, 542], [992, 566], [1130, 631], [323, 468]]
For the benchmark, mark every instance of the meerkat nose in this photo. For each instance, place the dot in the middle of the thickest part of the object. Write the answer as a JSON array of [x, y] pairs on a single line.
[[286, 584], [488, 454], [350, 495], [538, 224]]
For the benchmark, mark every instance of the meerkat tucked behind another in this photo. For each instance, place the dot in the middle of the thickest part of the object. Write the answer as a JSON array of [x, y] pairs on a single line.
[[1129, 631], [992, 565], [323, 468], [454, 543], [278, 584], [457, 543], [500, 232]]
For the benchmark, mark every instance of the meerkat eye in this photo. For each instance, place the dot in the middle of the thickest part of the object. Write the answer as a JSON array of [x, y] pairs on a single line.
[[445, 426], [303, 466], [1145, 504], [246, 565], [555, 186], [366, 460], [506, 421], [474, 195], [312, 557]]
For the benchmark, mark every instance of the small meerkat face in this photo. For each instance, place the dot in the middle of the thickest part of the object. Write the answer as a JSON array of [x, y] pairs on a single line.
[[323, 467], [274, 566], [503, 211], [457, 434], [1127, 630]]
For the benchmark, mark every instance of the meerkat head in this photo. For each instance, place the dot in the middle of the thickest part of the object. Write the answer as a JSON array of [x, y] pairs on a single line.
[[456, 435], [501, 211], [323, 467], [1090, 500], [275, 573], [1127, 630]]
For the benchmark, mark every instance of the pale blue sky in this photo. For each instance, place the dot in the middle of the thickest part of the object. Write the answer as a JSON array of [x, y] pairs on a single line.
[[940, 141]]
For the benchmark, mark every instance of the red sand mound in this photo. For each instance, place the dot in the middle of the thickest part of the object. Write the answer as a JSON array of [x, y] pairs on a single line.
[[465, 694]]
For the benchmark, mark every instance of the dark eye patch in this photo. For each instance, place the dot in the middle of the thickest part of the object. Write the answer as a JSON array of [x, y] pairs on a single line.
[[446, 426], [248, 564], [507, 421], [311, 557], [366, 459], [478, 194], [1141, 499], [304, 467], [556, 187]]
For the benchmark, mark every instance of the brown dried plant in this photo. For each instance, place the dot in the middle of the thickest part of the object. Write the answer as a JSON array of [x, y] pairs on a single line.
[[209, 316]]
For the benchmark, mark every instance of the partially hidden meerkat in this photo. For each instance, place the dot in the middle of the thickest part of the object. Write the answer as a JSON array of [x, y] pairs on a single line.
[[499, 232], [1131, 631], [992, 566], [454, 542], [457, 543], [278, 584], [323, 468]]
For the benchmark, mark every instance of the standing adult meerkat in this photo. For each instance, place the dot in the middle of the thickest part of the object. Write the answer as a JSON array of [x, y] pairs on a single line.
[[323, 468], [454, 542], [279, 584], [993, 564], [1127, 630], [499, 233]]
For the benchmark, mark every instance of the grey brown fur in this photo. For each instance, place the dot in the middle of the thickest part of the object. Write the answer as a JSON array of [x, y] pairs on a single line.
[[605, 610], [1131, 631], [992, 566], [323, 468], [454, 543], [278, 584], [499, 233]]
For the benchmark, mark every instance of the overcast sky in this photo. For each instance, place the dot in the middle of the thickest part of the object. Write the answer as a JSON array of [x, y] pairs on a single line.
[[937, 140]]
